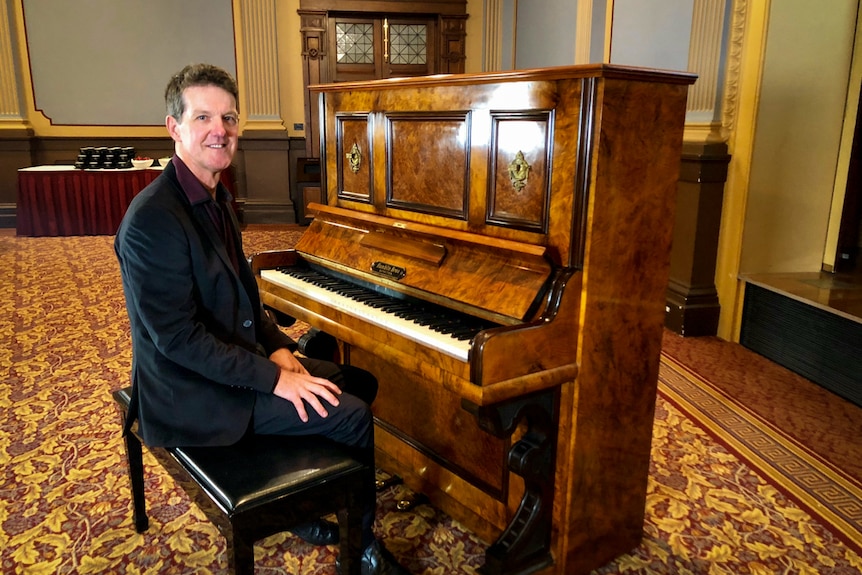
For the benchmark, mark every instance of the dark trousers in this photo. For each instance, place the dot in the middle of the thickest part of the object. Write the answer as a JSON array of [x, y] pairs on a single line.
[[349, 423]]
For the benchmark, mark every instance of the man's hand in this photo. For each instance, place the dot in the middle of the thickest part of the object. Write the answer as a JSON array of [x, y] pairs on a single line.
[[285, 359], [297, 386]]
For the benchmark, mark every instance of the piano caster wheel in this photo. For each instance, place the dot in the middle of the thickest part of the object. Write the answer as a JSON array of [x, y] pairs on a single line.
[[384, 481], [410, 501]]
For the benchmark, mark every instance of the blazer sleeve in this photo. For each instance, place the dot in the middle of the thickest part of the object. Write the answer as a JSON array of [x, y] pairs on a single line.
[[271, 337]]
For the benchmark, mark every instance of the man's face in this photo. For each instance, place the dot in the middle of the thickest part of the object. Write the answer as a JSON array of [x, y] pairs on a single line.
[[207, 133]]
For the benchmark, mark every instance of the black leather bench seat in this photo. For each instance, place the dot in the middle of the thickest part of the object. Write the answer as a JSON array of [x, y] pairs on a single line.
[[256, 472]]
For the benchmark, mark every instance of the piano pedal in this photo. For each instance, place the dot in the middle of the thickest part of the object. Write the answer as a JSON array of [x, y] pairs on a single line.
[[411, 500], [384, 480]]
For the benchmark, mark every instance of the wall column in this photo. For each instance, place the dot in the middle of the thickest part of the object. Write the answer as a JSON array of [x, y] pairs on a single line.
[[263, 165], [16, 134], [492, 57], [257, 65], [692, 306]]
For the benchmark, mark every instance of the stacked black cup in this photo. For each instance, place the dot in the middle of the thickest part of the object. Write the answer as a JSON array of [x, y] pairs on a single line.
[[105, 158]]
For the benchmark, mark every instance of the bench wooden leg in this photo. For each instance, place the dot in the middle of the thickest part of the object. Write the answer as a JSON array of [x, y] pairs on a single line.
[[350, 539], [240, 554], [135, 458]]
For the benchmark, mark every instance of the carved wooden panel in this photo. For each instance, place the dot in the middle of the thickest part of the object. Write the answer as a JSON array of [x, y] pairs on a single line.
[[446, 433], [355, 169], [453, 33], [427, 158], [519, 192]]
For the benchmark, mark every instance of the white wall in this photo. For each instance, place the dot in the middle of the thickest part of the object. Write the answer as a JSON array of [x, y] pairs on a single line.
[[652, 34], [598, 30], [545, 33], [798, 131], [105, 63]]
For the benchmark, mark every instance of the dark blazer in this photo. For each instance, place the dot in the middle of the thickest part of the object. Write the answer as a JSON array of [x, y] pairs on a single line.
[[200, 340]]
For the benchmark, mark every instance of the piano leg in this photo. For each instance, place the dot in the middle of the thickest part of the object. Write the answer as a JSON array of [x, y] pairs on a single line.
[[525, 545]]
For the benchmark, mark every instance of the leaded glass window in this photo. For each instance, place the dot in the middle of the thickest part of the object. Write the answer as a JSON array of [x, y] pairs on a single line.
[[354, 43], [407, 43]]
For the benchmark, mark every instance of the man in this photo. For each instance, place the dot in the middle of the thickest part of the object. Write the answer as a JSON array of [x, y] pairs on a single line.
[[208, 365]]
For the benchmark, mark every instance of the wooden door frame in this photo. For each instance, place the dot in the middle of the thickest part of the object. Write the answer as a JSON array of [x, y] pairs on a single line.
[[848, 174]]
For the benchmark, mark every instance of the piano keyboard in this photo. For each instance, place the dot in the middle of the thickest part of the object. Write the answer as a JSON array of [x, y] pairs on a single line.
[[445, 330]]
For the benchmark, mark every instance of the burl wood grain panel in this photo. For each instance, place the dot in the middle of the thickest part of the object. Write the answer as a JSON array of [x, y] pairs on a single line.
[[607, 415], [520, 157], [355, 165], [426, 415], [427, 158]]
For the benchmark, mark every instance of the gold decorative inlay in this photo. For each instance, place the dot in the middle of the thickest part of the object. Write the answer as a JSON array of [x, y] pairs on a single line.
[[519, 169], [354, 156]]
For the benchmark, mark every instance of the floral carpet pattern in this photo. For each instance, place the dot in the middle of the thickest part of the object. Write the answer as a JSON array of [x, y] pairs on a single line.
[[66, 508]]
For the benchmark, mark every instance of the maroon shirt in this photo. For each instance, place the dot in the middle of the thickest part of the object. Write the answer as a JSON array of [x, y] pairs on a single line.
[[216, 207]]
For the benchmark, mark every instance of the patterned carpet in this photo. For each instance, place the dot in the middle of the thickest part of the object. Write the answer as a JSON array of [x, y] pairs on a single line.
[[728, 493]]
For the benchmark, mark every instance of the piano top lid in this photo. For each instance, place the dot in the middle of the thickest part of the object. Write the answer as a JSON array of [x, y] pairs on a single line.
[[497, 279], [533, 74]]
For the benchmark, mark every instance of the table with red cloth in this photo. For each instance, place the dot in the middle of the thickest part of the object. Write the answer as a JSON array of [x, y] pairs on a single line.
[[64, 201]]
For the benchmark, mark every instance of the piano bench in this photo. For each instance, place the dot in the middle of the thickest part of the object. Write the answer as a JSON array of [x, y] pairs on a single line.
[[258, 487]]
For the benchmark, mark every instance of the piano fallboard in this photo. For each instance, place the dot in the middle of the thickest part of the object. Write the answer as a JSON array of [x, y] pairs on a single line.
[[501, 280]]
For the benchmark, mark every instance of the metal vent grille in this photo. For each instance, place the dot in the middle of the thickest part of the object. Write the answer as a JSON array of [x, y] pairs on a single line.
[[823, 347]]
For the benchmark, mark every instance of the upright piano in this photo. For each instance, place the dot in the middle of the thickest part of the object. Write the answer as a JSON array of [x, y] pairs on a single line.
[[495, 249]]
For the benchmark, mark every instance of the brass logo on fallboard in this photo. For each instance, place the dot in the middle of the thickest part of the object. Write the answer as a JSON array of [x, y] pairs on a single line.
[[388, 270]]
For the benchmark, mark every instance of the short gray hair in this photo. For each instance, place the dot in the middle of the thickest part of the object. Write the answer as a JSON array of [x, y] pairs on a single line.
[[197, 75]]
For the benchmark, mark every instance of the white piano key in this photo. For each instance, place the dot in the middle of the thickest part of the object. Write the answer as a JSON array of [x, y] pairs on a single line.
[[442, 342]]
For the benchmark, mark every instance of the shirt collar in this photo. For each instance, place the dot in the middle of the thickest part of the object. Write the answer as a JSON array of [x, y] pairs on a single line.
[[194, 190]]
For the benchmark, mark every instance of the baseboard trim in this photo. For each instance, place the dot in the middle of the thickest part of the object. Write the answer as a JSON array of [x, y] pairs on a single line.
[[691, 312], [8, 217]]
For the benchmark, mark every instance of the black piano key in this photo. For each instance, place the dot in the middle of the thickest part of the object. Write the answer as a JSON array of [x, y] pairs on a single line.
[[436, 318], [465, 333], [447, 329]]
